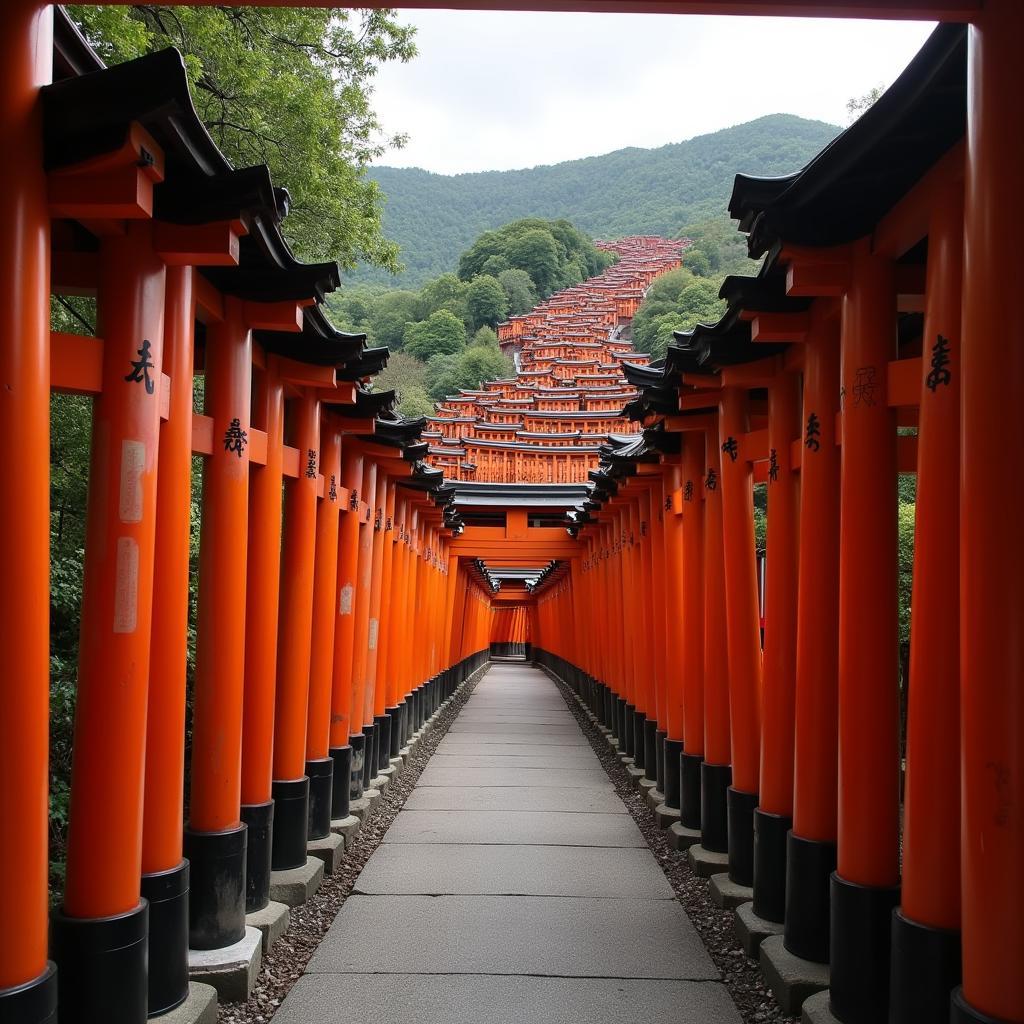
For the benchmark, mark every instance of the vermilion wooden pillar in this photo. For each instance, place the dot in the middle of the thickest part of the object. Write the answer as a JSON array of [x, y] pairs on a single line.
[[376, 684], [811, 849], [671, 623], [319, 762], [361, 624], [100, 934], [992, 478], [164, 873], [716, 771], [291, 784], [692, 629], [391, 589], [215, 839], [743, 629], [262, 601], [926, 927], [865, 887], [347, 750], [28, 984], [774, 815]]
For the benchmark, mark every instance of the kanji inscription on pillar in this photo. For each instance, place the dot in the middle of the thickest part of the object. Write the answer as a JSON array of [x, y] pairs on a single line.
[[235, 438], [140, 368], [940, 373]]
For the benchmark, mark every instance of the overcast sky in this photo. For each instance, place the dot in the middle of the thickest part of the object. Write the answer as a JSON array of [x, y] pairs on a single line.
[[498, 90]]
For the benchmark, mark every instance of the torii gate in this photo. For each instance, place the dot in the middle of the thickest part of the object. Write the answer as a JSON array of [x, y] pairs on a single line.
[[993, 390]]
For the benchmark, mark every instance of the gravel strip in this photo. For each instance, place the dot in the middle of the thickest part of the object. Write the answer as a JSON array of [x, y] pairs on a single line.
[[741, 975], [285, 961]]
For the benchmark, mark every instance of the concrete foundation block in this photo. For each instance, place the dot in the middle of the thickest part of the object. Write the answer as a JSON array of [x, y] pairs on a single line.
[[636, 775], [626, 759], [382, 780], [752, 930], [655, 797], [231, 970], [728, 894], [200, 1006], [817, 1009], [612, 742], [682, 838], [347, 828], [791, 978], [295, 886], [330, 850], [366, 804], [706, 863], [666, 816], [397, 766], [272, 921]]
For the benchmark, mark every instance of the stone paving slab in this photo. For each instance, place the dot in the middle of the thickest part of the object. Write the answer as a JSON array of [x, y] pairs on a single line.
[[503, 828], [558, 759], [539, 778], [554, 936], [452, 747], [490, 999], [424, 869], [514, 798], [484, 739], [514, 728]]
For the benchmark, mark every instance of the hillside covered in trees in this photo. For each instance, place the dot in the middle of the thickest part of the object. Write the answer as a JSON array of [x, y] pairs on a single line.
[[434, 217]]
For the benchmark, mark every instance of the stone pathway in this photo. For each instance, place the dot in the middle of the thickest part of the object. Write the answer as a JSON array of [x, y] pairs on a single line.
[[512, 888]]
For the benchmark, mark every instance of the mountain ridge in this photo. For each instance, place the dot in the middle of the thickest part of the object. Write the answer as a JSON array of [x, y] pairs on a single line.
[[435, 217]]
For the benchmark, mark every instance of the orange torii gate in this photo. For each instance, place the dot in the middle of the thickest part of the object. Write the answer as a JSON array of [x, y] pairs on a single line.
[[828, 619]]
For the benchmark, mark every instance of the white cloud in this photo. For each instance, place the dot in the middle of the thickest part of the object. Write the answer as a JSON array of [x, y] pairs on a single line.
[[497, 90]]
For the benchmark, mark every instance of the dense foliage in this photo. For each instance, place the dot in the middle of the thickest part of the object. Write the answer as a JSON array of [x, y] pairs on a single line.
[[434, 217], [290, 88]]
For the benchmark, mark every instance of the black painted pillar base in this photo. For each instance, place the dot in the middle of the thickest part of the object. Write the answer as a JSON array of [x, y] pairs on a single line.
[[714, 806], [35, 1002], [102, 966], [673, 773], [741, 835], [690, 789], [961, 1012], [260, 821], [659, 760], [166, 892], [369, 755], [809, 867], [630, 731], [925, 968], [340, 787], [321, 783], [382, 732], [291, 823], [358, 745], [770, 832], [861, 943], [639, 750], [396, 744], [620, 723], [216, 897], [650, 764]]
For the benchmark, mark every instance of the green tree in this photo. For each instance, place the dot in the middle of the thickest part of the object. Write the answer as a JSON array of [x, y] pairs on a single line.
[[444, 292], [415, 402], [858, 104], [391, 314], [443, 377], [442, 333], [484, 338], [676, 301], [486, 301], [519, 289], [290, 88], [537, 253], [479, 364], [906, 562]]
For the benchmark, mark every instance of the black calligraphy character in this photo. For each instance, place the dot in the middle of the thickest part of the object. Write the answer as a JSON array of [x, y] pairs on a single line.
[[643, 528], [353, 499], [311, 463], [388, 526], [812, 439], [688, 491], [865, 386], [332, 492], [940, 371], [141, 368], [773, 466], [730, 448], [711, 481], [235, 438], [378, 519], [668, 504]]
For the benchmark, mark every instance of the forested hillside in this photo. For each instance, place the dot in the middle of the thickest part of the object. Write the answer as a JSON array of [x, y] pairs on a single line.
[[434, 217]]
